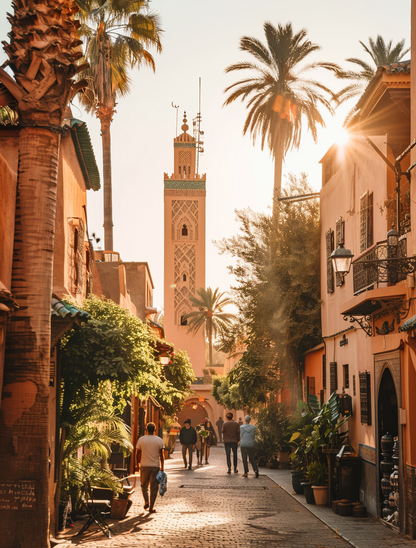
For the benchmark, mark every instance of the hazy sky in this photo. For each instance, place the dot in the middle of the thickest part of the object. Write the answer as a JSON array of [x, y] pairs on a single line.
[[200, 39]]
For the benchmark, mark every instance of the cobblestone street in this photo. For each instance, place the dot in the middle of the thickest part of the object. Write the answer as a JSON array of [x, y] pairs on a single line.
[[205, 507]]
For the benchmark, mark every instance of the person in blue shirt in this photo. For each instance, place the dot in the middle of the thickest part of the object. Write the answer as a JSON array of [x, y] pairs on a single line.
[[247, 443]]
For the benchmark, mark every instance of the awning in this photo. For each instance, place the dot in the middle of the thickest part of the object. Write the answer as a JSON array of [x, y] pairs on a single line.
[[408, 324], [85, 153], [64, 316]]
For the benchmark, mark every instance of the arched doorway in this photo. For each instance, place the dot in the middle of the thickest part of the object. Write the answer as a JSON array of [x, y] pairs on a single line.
[[388, 412], [388, 423], [196, 411]]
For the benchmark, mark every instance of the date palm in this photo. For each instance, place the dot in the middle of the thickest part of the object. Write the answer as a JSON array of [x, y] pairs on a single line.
[[118, 35], [381, 53], [210, 314], [278, 91], [42, 54]]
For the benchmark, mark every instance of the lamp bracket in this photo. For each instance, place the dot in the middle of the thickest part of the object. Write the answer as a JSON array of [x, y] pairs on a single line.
[[363, 321]]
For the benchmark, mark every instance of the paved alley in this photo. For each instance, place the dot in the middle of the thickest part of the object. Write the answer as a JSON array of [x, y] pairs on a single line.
[[205, 507]]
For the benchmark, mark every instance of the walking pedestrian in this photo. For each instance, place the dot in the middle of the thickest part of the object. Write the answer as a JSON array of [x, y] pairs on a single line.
[[247, 446], [198, 445], [219, 424], [187, 437], [208, 441], [240, 422], [231, 436], [151, 460]]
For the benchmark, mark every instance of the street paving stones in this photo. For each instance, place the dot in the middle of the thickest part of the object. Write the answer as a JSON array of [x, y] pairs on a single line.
[[207, 508]]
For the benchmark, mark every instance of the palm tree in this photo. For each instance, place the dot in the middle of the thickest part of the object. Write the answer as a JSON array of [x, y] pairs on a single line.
[[43, 51], [381, 53], [117, 36], [210, 314], [278, 92]]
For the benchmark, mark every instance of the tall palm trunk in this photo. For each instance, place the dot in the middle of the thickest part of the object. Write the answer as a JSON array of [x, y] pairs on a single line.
[[279, 155], [42, 55], [209, 335], [105, 114], [278, 171], [24, 426]]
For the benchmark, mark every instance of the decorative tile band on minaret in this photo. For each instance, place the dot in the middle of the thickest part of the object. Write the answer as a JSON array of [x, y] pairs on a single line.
[[184, 246]]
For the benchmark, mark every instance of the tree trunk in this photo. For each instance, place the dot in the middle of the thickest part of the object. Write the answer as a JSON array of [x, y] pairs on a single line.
[[278, 169], [106, 115], [24, 418], [209, 333]]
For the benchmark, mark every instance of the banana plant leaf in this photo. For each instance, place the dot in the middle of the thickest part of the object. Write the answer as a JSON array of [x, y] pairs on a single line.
[[313, 402]]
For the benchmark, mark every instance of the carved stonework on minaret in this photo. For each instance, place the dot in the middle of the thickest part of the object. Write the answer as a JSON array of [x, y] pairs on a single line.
[[184, 248], [185, 214], [184, 258]]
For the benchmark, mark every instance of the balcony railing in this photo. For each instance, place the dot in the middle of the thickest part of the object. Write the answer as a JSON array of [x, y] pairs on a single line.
[[371, 276]]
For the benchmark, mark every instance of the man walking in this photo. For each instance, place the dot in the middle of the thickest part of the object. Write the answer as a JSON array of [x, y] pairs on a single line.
[[219, 424], [248, 432], [231, 437], [149, 453], [187, 437]]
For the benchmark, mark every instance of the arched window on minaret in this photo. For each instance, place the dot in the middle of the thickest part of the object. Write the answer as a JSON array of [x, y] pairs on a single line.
[[184, 278], [184, 321], [184, 230]]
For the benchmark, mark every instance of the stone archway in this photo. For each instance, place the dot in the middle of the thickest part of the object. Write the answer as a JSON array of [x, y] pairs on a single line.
[[388, 410], [196, 411]]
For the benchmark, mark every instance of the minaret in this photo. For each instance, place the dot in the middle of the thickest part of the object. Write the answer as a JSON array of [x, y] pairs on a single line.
[[184, 197]]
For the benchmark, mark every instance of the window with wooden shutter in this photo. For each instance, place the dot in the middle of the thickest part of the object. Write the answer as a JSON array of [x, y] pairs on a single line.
[[366, 221], [339, 237], [329, 242], [333, 377]]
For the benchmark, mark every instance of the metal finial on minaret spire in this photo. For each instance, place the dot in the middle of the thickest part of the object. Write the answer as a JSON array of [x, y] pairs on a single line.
[[185, 126], [198, 134]]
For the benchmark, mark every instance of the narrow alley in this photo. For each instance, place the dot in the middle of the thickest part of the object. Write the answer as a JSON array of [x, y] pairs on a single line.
[[205, 507]]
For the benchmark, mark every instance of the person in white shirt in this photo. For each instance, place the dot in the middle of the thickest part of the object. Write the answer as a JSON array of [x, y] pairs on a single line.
[[151, 460]]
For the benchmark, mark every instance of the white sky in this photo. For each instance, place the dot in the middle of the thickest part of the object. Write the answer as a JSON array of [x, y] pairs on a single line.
[[200, 40]]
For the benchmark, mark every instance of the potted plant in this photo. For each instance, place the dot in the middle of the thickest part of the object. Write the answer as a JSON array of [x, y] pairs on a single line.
[[271, 428], [317, 475], [299, 433]]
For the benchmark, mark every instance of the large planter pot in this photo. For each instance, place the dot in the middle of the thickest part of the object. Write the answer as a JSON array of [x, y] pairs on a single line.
[[307, 489], [297, 478], [321, 495]]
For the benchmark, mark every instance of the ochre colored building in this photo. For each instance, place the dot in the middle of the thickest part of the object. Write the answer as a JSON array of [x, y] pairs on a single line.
[[371, 357], [184, 269]]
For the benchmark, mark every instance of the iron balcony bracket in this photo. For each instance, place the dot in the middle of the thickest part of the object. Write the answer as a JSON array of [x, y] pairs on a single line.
[[363, 321]]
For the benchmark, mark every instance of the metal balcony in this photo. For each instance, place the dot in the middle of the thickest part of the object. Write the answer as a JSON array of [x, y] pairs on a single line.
[[371, 276]]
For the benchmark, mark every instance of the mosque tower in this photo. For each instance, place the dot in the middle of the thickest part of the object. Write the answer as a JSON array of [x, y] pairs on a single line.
[[184, 264]]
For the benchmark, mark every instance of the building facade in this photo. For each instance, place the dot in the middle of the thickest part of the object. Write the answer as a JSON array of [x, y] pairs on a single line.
[[368, 315], [184, 269]]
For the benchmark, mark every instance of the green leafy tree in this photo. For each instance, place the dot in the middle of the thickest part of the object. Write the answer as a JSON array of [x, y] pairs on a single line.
[[178, 374], [381, 54], [277, 291], [210, 314], [114, 346], [118, 35], [280, 94]]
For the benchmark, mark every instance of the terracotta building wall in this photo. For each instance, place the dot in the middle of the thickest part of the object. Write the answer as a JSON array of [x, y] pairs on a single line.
[[193, 344], [70, 216]]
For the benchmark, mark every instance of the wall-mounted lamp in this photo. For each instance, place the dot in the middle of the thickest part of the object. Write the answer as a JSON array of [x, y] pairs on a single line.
[[341, 260]]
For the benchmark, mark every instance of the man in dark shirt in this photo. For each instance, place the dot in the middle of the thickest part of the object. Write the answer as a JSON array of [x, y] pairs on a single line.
[[187, 437], [219, 424], [231, 436]]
